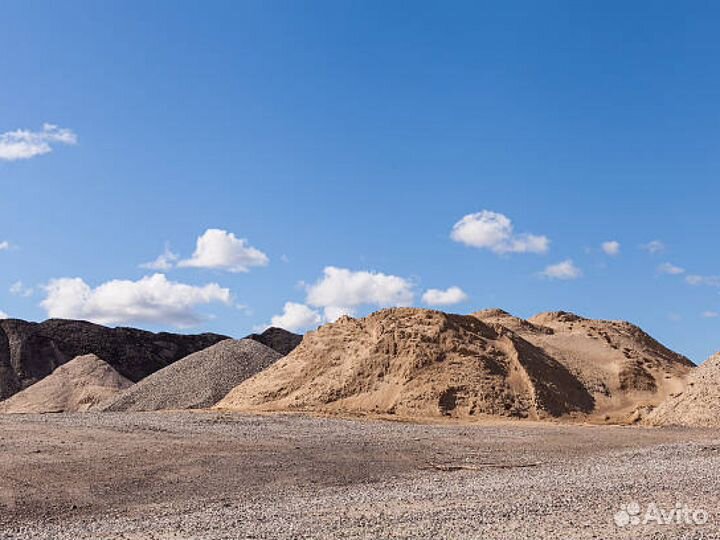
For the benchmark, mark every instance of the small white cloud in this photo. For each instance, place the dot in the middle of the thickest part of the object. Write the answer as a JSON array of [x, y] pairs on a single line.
[[296, 317], [709, 281], [565, 270], [25, 144], [656, 246], [152, 299], [611, 248], [4, 245], [221, 250], [710, 314], [494, 231], [448, 297], [19, 289], [340, 290], [164, 262], [670, 269], [4, 315]]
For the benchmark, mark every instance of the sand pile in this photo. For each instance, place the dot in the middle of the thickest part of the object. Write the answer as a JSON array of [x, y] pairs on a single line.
[[278, 339], [31, 351], [199, 380], [626, 371], [78, 385], [698, 405], [415, 363]]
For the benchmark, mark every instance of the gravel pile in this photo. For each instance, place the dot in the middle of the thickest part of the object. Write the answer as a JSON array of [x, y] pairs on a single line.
[[197, 381]]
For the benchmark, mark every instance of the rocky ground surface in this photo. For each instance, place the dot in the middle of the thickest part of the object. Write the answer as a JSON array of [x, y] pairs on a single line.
[[211, 475]]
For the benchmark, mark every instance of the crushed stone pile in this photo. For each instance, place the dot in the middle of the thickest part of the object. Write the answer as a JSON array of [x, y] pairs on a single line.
[[199, 380], [78, 385], [31, 351], [698, 405]]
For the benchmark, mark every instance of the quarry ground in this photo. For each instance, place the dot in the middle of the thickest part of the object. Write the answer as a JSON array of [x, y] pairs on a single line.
[[214, 475]]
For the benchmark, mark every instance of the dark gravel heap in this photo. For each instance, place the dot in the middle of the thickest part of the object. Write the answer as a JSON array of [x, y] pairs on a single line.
[[197, 381], [279, 339], [31, 351]]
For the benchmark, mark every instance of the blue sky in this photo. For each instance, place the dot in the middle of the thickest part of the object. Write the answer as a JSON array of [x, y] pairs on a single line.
[[343, 141]]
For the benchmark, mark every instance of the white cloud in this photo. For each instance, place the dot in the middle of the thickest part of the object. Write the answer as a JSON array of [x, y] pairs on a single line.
[[296, 317], [670, 269], [25, 144], [611, 248], [19, 289], [152, 299], [494, 231], [4, 245], [164, 262], [656, 246], [709, 281], [448, 297], [710, 314], [340, 290], [222, 250], [564, 270], [4, 315]]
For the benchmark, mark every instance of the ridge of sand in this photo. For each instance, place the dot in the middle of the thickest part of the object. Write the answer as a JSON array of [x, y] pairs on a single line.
[[78, 385], [415, 363], [698, 405], [197, 381], [626, 370]]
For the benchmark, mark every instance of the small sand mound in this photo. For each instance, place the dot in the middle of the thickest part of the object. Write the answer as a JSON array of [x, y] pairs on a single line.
[[415, 363], [199, 380], [79, 385], [698, 405]]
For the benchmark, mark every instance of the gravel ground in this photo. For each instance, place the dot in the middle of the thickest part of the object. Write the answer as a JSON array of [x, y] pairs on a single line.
[[209, 475]]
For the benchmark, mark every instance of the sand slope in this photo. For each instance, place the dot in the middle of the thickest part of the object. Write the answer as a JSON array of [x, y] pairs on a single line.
[[79, 385], [415, 363], [626, 371], [197, 381], [698, 405], [421, 363]]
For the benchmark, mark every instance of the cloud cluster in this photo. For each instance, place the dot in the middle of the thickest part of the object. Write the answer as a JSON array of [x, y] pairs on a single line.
[[25, 144], [4, 245], [656, 246], [495, 232], [164, 262], [565, 270], [19, 289], [340, 291], [708, 281], [670, 269], [152, 299], [296, 317], [447, 297], [612, 248]]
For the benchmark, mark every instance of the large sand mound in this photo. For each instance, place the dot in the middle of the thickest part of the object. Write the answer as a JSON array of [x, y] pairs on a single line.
[[30, 351], [199, 380], [415, 363], [626, 371], [698, 405], [76, 386]]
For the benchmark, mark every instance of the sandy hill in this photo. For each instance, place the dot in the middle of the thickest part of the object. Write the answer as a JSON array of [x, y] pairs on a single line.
[[415, 363], [625, 370], [75, 386], [199, 380], [30, 351], [698, 405], [278, 339]]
